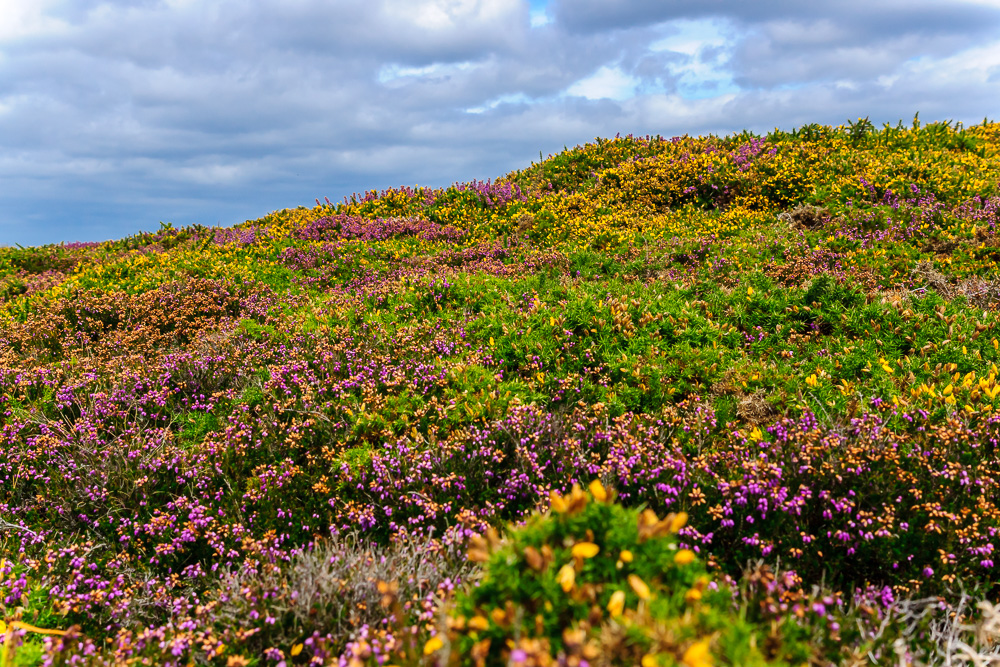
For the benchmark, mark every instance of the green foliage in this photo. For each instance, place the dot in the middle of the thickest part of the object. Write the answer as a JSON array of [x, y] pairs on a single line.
[[792, 338], [195, 426], [593, 579]]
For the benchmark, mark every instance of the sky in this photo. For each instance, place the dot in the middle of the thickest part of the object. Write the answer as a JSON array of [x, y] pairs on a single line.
[[118, 115]]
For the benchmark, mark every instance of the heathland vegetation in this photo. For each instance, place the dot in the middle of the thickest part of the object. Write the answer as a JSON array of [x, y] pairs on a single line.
[[680, 402]]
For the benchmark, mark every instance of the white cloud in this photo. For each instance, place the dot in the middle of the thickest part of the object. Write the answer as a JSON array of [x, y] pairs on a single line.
[[691, 36], [212, 174], [393, 72], [704, 47], [887, 80], [517, 98], [606, 83], [539, 17], [442, 15], [976, 64], [24, 18]]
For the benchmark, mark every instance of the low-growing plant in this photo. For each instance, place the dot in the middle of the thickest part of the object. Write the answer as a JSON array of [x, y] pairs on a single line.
[[339, 586], [792, 338], [592, 582]]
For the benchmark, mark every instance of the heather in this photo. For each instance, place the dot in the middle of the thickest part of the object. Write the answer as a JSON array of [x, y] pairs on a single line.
[[394, 429]]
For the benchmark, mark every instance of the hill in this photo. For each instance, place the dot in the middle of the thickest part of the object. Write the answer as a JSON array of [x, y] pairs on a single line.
[[277, 442]]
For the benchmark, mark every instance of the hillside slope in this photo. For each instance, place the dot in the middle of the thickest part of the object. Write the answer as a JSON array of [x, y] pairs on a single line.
[[791, 338]]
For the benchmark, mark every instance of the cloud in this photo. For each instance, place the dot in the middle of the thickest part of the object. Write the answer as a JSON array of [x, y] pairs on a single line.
[[605, 83], [870, 19], [24, 18], [116, 114]]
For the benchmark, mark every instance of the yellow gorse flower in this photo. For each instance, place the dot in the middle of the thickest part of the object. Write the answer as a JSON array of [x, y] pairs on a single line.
[[692, 596], [585, 550], [616, 605], [566, 577], [433, 644], [685, 557], [697, 655], [598, 491], [639, 586], [557, 503]]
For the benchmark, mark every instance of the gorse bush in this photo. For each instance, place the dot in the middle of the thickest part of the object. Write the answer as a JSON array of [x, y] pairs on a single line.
[[791, 339], [591, 582]]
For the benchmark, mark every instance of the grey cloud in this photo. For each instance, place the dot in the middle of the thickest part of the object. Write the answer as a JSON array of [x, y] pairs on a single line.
[[872, 18], [781, 42], [214, 112], [762, 62], [792, 52], [658, 70], [585, 16]]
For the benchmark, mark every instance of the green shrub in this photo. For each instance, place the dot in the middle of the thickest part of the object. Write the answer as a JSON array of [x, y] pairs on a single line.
[[593, 581]]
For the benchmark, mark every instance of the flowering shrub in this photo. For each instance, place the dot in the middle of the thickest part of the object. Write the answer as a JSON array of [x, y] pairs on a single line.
[[592, 582], [791, 338]]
